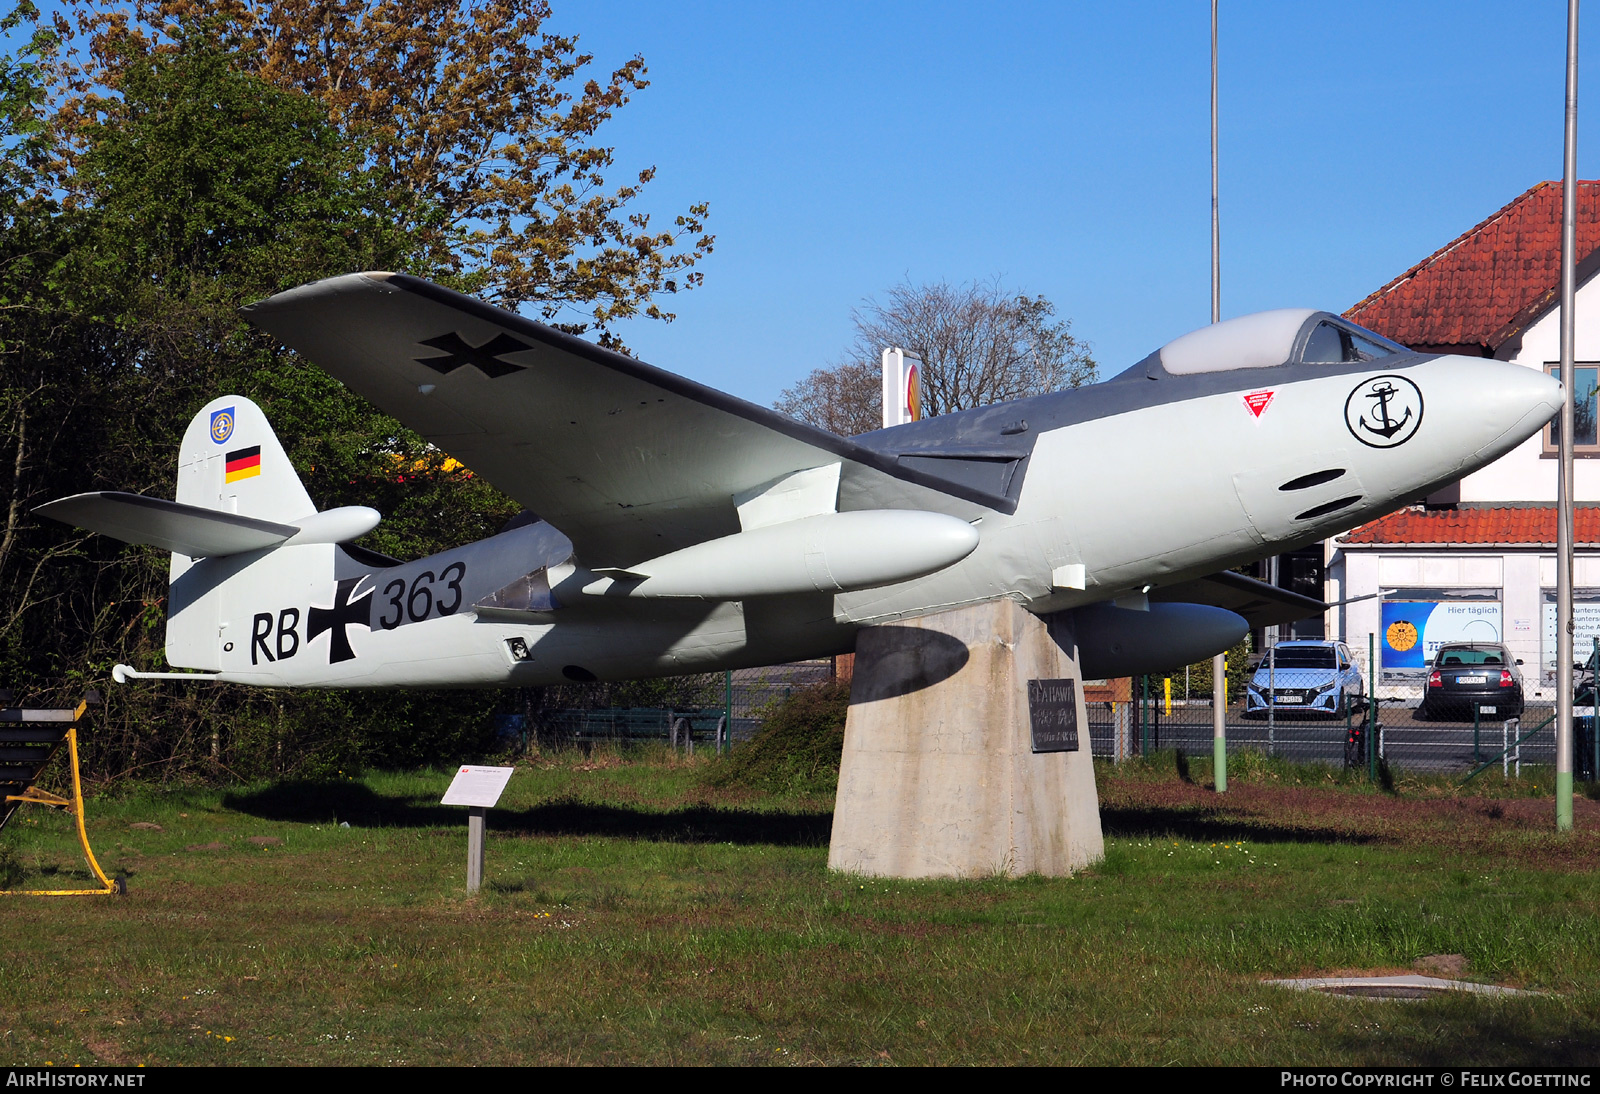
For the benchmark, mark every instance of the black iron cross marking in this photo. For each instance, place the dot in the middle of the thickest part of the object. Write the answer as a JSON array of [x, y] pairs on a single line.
[[486, 358], [343, 613]]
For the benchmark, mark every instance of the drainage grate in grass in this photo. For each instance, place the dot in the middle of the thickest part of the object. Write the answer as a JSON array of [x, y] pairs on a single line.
[[1392, 987]]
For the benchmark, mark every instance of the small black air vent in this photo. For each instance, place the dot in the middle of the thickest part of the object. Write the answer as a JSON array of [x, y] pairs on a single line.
[[1329, 507], [1011, 429], [579, 674], [1316, 478]]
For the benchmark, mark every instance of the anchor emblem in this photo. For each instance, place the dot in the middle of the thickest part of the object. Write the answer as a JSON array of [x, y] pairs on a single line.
[[1387, 412], [1381, 393]]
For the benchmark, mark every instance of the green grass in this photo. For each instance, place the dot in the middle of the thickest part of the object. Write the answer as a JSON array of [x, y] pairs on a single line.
[[634, 913]]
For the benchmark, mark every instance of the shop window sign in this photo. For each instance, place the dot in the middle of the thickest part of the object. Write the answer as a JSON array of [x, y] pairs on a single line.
[[1585, 628], [1416, 624]]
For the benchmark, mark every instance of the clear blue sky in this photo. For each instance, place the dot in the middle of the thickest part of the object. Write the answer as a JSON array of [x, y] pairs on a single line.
[[1063, 147]]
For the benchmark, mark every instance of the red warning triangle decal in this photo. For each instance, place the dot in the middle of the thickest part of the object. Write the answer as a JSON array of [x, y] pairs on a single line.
[[1257, 401]]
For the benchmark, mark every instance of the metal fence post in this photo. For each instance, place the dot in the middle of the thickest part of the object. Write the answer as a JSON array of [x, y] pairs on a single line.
[[1477, 712], [1144, 716], [1372, 706], [1347, 741], [728, 711], [1219, 721], [1594, 712], [1272, 697]]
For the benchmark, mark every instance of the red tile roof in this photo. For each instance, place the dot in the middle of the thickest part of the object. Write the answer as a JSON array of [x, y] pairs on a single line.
[[1489, 284], [1519, 526]]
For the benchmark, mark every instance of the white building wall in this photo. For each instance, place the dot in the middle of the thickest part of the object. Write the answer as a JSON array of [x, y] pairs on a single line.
[[1523, 474], [1519, 618]]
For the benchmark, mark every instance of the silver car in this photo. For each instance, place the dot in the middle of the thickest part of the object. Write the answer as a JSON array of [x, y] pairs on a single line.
[[1306, 677]]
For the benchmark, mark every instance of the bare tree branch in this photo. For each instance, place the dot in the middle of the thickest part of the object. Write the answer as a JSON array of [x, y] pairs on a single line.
[[979, 345]]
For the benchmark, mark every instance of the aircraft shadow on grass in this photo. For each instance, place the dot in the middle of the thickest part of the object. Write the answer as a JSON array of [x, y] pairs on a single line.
[[314, 802], [1522, 1033], [1206, 827]]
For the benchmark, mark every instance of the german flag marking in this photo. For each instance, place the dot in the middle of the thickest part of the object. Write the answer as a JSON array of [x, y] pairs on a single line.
[[243, 464]]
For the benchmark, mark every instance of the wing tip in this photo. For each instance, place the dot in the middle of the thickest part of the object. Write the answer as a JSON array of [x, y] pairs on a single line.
[[341, 282]]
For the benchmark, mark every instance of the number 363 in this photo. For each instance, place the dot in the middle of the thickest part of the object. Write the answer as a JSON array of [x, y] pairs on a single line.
[[419, 601]]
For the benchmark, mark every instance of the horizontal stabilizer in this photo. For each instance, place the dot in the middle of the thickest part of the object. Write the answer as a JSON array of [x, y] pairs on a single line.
[[184, 529], [1261, 604]]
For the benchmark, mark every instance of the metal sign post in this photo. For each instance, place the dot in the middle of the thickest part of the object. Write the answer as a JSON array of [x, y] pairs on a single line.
[[477, 788]]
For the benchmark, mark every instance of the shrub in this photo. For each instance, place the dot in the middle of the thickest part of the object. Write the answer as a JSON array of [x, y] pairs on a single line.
[[797, 750]]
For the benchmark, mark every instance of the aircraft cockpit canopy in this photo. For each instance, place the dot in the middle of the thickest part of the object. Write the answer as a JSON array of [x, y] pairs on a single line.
[[1284, 336]]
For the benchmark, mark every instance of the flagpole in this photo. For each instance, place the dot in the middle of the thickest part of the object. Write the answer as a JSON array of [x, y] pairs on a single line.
[[1569, 280], [1219, 674]]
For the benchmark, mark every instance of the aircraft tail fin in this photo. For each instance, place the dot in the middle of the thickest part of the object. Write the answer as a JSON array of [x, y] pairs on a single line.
[[231, 461]]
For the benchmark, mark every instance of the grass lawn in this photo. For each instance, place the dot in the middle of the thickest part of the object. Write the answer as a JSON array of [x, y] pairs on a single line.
[[632, 914]]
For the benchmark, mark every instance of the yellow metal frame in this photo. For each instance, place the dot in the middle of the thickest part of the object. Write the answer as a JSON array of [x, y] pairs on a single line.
[[73, 805]]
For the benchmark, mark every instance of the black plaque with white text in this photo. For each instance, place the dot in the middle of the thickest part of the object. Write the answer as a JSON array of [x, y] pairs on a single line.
[[1053, 715]]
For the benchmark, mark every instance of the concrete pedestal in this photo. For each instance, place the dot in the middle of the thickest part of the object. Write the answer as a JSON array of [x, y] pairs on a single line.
[[939, 777]]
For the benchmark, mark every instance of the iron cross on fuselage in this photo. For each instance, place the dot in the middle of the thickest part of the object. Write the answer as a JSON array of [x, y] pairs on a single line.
[[343, 613]]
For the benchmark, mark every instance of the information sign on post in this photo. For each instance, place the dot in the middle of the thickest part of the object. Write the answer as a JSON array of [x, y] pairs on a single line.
[[477, 788]]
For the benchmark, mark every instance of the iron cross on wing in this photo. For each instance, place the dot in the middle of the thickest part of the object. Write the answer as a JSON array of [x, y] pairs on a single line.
[[485, 358]]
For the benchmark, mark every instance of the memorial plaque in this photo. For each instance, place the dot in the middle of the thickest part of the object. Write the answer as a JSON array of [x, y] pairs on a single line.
[[1053, 715]]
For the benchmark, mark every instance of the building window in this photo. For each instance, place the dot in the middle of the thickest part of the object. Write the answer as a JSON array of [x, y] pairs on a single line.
[[1585, 442]]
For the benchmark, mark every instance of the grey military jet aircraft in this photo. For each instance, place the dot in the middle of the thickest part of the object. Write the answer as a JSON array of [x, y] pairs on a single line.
[[680, 529]]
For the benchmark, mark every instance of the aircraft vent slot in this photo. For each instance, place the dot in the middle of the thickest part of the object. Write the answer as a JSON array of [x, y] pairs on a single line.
[[1316, 478], [579, 674], [1329, 507]]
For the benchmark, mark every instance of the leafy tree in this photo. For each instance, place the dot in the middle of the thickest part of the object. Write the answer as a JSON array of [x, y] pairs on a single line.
[[204, 155], [978, 344], [196, 189], [479, 125]]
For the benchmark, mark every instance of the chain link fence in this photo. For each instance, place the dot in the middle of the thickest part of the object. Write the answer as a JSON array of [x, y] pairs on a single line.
[[707, 711], [1324, 702], [1303, 701]]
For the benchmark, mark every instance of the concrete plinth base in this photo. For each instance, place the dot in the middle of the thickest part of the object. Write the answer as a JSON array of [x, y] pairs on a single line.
[[939, 777]]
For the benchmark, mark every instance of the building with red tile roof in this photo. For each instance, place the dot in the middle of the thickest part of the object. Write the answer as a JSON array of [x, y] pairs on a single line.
[[1485, 547], [1476, 526], [1482, 289]]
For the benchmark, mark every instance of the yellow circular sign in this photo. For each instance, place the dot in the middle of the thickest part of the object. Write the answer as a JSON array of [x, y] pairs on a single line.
[[1401, 635]]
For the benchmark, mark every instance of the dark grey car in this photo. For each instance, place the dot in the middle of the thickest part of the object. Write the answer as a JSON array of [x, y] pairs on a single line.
[[1468, 674]]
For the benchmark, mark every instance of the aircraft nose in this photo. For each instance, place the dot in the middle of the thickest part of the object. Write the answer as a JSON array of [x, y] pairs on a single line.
[[1490, 406], [1523, 398]]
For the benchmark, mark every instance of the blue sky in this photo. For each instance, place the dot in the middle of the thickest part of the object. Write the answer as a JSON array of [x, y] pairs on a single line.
[[1064, 148]]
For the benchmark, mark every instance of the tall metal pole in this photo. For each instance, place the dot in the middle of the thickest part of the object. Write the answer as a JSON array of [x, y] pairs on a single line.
[[1219, 675], [1569, 248]]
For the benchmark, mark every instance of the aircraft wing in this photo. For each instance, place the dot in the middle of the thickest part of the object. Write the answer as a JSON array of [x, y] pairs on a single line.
[[1261, 604], [629, 461]]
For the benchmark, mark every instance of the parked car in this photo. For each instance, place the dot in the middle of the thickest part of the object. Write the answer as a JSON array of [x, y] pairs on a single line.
[[1306, 677], [1468, 674]]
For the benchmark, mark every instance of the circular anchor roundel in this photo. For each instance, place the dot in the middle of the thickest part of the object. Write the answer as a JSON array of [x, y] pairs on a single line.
[[1384, 411]]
